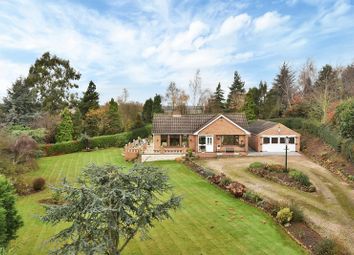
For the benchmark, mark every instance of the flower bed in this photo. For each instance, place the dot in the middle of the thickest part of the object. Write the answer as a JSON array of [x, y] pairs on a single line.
[[278, 174]]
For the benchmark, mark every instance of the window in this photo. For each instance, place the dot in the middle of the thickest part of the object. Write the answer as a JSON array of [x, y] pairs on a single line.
[[164, 140], [274, 139], [230, 140], [185, 140], [282, 139], [202, 139], [174, 140], [202, 143], [266, 140], [292, 140]]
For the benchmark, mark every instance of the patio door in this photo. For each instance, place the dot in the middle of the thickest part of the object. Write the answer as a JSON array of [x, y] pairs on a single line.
[[209, 144]]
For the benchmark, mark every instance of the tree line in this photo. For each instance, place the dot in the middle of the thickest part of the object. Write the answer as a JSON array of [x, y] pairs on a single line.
[[44, 99]]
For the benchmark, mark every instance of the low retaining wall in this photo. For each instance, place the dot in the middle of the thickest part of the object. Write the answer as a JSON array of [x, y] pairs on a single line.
[[159, 157]]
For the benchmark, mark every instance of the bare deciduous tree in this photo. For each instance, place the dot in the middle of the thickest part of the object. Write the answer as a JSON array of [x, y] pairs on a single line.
[[172, 95], [195, 86], [307, 78]]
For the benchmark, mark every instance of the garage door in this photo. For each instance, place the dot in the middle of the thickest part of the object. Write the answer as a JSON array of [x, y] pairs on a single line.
[[277, 144]]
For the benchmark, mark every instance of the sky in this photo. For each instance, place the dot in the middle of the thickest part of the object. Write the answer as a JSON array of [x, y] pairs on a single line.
[[144, 45]]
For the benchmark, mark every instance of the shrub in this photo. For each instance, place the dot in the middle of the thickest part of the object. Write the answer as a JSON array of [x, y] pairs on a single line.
[[256, 165], [225, 181], [189, 153], [325, 247], [298, 215], [38, 134], [300, 177], [22, 188], [10, 221], [284, 215], [38, 184], [351, 177], [344, 118], [251, 197], [276, 168], [24, 149]]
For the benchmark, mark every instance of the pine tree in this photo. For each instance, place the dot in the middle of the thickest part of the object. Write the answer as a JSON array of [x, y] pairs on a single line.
[[91, 124], [218, 100], [283, 85], [235, 99], [114, 124], [77, 123], [90, 100], [148, 110], [157, 105], [65, 129], [250, 107], [20, 104]]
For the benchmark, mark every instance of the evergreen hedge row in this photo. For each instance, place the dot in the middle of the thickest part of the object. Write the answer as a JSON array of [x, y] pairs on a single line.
[[117, 140], [325, 132]]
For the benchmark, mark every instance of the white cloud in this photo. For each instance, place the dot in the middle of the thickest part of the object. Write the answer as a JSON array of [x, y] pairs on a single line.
[[270, 21], [235, 23], [153, 42]]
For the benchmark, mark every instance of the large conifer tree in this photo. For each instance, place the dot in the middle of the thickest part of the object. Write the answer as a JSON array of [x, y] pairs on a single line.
[[114, 124], [65, 129], [90, 100], [218, 99], [237, 89]]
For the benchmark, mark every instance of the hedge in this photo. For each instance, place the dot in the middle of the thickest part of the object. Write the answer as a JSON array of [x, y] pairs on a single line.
[[328, 135], [117, 140]]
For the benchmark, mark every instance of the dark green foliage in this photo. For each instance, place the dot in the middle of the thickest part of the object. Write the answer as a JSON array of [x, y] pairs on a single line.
[[148, 111], [250, 107], [325, 247], [157, 105], [20, 104], [77, 123], [225, 181], [218, 100], [108, 207], [91, 125], [236, 88], [256, 165], [38, 184], [251, 197], [118, 140], [344, 119], [90, 100], [10, 221], [53, 78], [300, 177], [114, 124], [65, 129]]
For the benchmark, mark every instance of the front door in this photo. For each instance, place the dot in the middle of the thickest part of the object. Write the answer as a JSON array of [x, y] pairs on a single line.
[[209, 144]]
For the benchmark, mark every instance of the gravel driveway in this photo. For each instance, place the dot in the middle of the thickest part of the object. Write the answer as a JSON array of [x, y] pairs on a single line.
[[330, 209]]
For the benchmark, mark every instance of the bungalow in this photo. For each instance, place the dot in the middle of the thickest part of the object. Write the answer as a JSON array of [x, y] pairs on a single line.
[[207, 135]]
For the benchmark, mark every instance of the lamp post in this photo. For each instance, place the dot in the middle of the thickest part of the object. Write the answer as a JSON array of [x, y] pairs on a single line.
[[286, 153]]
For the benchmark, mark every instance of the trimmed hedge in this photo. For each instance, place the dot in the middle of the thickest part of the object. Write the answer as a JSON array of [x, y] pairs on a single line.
[[328, 135], [118, 140]]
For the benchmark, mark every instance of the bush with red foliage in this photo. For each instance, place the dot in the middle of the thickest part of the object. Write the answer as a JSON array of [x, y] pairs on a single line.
[[38, 184]]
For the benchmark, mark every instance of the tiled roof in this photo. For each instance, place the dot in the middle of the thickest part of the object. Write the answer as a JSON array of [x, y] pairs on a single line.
[[188, 124], [259, 126]]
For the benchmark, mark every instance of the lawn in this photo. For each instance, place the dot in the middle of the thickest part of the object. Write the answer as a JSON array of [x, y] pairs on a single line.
[[210, 220]]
